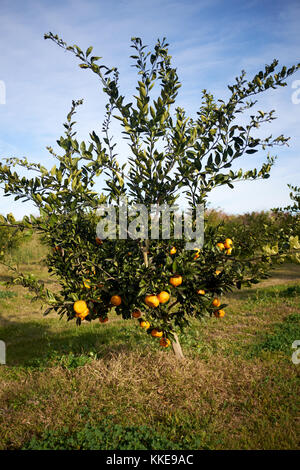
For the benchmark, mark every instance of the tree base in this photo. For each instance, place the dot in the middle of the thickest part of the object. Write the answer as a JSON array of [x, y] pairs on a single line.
[[177, 348]]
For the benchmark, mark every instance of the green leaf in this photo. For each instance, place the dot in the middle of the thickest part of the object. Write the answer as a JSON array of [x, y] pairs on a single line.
[[174, 266], [88, 51]]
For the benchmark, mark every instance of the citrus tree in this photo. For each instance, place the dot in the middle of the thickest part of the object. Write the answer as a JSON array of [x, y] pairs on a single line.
[[157, 281]]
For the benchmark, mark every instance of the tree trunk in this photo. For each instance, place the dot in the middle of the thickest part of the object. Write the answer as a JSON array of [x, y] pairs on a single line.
[[145, 253], [177, 348]]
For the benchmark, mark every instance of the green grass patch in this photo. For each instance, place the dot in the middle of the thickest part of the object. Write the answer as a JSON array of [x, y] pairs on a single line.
[[7, 294], [273, 295], [281, 339]]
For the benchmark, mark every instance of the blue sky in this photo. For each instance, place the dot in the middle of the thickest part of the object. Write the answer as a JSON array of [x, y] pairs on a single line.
[[211, 41]]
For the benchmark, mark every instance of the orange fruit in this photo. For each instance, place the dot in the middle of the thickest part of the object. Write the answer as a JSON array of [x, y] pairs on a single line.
[[219, 313], [99, 241], [218, 272], [83, 314], [220, 246], [156, 333], [196, 256], [136, 313], [201, 292], [163, 297], [228, 243], [151, 301], [228, 251], [116, 300], [103, 319], [216, 302], [145, 324], [173, 250], [80, 306], [165, 342], [176, 280]]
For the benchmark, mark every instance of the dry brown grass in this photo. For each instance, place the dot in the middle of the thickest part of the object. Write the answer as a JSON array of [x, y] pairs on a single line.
[[221, 397]]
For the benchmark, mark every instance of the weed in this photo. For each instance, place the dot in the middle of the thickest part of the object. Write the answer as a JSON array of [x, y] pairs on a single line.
[[107, 435]]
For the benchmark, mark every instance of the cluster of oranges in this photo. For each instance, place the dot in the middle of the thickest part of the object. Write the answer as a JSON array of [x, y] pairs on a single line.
[[81, 309], [152, 300], [227, 245], [196, 256], [218, 313], [216, 303], [155, 333]]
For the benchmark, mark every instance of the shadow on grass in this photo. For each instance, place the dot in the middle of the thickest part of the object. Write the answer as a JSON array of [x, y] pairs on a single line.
[[42, 344]]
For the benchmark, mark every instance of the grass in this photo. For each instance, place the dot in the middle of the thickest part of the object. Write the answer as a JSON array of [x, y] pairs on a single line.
[[110, 386]]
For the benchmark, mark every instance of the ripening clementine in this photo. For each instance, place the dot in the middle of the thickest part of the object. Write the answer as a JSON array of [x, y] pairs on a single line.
[[136, 313], [156, 333], [165, 342], [219, 313], [151, 301], [201, 292], [220, 246], [163, 297], [176, 280], [80, 306], [218, 272], [83, 314], [216, 302], [99, 241], [116, 300], [228, 251], [173, 250], [228, 243], [145, 324]]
